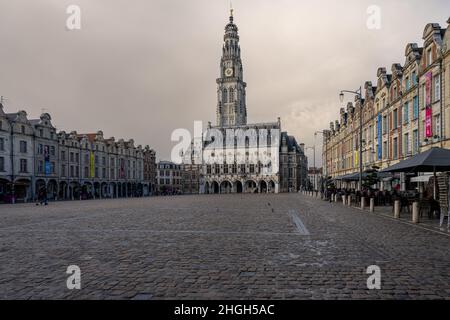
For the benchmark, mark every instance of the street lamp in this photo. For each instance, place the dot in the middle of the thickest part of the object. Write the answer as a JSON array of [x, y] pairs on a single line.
[[358, 94], [314, 160], [324, 167]]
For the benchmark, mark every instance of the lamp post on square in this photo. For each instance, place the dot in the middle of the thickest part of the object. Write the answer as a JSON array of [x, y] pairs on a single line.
[[358, 94]]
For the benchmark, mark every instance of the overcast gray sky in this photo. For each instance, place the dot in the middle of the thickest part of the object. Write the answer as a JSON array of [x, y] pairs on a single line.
[[141, 68]]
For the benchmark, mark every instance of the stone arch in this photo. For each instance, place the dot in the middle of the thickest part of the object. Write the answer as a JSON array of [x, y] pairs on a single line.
[[39, 186], [207, 187], [113, 190], [52, 189], [238, 186], [104, 190], [226, 187], [271, 186], [263, 188], [251, 186], [129, 190], [87, 190], [22, 189], [63, 190], [97, 190], [139, 189], [124, 189], [5, 190], [215, 187], [145, 190], [74, 190]]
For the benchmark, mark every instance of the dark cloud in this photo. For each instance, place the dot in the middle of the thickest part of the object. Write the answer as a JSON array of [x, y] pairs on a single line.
[[139, 69]]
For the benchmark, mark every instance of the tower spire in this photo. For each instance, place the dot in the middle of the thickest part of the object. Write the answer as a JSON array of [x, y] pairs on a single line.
[[231, 12]]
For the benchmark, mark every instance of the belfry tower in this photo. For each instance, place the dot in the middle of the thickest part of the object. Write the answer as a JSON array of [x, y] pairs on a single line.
[[231, 107]]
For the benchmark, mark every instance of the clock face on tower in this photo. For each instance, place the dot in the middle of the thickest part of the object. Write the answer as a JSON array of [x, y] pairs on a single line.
[[228, 72]]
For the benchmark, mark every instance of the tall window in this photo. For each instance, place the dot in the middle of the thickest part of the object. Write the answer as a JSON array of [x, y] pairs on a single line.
[[437, 123], [2, 164], [23, 166], [405, 144], [40, 166], [437, 88], [394, 119], [424, 96], [23, 147], [406, 113], [2, 144], [415, 141], [414, 78], [416, 107], [395, 148], [385, 125], [429, 59], [224, 96]]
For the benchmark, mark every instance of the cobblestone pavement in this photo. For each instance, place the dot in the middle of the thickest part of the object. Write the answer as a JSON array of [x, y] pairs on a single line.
[[286, 246]]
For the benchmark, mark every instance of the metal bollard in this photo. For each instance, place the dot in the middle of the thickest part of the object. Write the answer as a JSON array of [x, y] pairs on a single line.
[[349, 201], [363, 203], [372, 205], [344, 202], [397, 209], [415, 212]]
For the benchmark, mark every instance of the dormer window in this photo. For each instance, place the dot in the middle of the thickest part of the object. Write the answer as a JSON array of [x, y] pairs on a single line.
[[22, 129]]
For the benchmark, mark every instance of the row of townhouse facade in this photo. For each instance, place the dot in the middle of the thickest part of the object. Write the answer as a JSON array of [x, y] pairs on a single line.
[[34, 158], [169, 178], [406, 112]]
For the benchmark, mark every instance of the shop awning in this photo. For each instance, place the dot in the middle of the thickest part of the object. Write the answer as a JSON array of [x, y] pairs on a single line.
[[435, 159]]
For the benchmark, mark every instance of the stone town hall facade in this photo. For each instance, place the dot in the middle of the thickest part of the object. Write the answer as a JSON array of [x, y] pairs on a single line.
[[239, 157]]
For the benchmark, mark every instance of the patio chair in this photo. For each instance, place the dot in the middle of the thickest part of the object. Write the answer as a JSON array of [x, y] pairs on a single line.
[[424, 205], [444, 213]]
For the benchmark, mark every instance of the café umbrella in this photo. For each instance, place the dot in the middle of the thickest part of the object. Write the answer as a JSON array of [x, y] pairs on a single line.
[[433, 160]]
